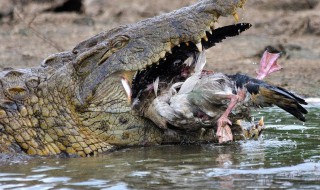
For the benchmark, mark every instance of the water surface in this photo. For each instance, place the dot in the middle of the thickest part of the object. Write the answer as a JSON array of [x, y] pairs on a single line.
[[287, 157]]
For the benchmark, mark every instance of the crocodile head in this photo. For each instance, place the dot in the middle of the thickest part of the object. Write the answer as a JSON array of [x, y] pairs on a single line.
[[116, 66]]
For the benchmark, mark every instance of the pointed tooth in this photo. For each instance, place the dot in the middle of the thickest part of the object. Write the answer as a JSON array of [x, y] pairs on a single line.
[[149, 62], [205, 38], [141, 66], [170, 51], [212, 25], [201, 34], [127, 88], [187, 43], [162, 54], [168, 46], [235, 16], [156, 86], [155, 58], [175, 42], [199, 46], [210, 32], [178, 45]]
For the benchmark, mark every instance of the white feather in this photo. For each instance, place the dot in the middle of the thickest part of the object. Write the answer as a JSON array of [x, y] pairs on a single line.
[[156, 86], [201, 62], [189, 84]]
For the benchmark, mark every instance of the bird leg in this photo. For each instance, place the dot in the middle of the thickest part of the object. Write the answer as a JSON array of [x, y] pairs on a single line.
[[268, 65], [224, 133]]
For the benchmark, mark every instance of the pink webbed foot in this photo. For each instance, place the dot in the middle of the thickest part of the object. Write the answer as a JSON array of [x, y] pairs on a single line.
[[224, 133], [268, 64]]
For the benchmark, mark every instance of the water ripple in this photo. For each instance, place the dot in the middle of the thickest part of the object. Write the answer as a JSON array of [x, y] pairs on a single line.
[[47, 168], [90, 183], [304, 168]]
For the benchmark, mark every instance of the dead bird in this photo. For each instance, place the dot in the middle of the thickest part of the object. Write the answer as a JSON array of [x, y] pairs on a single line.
[[257, 93], [206, 99]]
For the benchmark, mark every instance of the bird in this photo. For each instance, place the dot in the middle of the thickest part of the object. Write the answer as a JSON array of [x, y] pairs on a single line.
[[206, 99], [258, 93]]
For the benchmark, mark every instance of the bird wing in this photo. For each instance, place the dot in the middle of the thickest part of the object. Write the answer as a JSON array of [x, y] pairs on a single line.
[[263, 95], [210, 94]]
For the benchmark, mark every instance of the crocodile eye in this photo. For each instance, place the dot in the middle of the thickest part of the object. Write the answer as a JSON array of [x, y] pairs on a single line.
[[120, 42]]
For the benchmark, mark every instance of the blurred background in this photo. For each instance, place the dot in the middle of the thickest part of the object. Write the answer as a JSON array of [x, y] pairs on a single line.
[[31, 30]]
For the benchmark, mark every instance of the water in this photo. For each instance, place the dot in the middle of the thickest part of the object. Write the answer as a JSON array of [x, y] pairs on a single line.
[[287, 157]]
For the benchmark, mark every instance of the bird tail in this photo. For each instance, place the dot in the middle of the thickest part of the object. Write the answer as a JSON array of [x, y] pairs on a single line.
[[272, 95]]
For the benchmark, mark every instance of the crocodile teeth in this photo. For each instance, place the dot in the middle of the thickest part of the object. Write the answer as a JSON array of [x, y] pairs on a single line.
[[162, 54], [236, 17], [156, 86], [199, 46], [205, 38], [127, 88], [211, 24]]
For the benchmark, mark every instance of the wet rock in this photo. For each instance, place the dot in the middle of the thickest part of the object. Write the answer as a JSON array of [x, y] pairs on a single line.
[[6, 159]]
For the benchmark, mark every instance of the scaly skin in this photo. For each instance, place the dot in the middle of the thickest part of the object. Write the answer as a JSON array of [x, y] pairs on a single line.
[[74, 102]]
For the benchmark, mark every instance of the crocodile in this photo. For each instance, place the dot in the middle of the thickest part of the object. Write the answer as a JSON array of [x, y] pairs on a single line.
[[80, 102]]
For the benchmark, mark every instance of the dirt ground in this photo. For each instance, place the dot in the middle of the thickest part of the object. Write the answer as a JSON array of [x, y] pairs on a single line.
[[31, 30]]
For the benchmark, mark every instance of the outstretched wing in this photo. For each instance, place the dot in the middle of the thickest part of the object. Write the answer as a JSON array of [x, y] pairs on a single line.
[[263, 94]]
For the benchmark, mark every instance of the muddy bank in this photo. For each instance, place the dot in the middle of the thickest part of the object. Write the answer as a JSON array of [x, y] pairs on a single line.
[[31, 30]]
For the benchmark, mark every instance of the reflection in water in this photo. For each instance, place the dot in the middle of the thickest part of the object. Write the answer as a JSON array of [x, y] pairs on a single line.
[[288, 156]]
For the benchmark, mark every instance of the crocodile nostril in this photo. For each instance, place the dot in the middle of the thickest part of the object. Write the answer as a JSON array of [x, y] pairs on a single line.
[[17, 93], [33, 82], [75, 51]]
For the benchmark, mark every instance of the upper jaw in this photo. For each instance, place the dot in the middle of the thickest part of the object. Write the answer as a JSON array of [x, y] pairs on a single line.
[[175, 67], [152, 40], [156, 37]]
